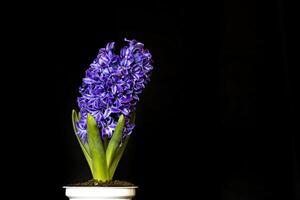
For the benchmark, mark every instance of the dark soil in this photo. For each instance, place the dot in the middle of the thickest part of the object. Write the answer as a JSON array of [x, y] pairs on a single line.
[[96, 183]]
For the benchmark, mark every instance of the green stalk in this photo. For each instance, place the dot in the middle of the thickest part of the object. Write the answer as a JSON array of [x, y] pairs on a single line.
[[97, 152]]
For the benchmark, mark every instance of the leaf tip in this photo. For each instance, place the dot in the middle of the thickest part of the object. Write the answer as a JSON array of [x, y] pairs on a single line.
[[121, 119]]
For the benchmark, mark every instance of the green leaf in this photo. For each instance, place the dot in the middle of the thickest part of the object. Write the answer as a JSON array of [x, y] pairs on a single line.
[[84, 147], [132, 117], [117, 158], [76, 118], [115, 140], [97, 152]]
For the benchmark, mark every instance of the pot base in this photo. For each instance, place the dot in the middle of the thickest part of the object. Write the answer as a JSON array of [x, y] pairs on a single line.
[[100, 193]]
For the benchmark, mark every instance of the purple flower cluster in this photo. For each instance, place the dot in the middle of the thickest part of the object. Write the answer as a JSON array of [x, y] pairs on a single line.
[[111, 87]]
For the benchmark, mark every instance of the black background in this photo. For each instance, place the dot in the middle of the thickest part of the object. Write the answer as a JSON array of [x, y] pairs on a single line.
[[217, 121]]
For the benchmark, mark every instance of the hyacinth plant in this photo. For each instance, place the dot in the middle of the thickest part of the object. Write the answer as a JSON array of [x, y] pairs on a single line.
[[109, 95]]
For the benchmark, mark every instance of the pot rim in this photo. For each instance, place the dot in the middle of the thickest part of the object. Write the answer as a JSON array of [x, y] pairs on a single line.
[[100, 187]]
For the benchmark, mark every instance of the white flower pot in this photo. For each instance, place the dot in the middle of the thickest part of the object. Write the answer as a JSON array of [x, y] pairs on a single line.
[[103, 193]]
